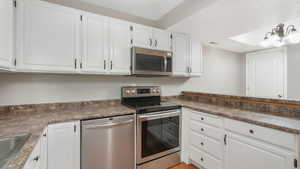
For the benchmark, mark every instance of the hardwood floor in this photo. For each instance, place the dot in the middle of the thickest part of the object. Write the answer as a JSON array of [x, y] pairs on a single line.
[[184, 166]]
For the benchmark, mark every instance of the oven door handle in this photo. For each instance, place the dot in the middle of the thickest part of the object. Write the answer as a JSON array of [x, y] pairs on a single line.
[[158, 116]]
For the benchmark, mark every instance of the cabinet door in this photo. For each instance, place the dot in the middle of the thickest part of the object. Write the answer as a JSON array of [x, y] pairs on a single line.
[[185, 135], [142, 36], [33, 162], [64, 146], [95, 43], [244, 153], [181, 52], [47, 37], [120, 47], [196, 59], [44, 149], [162, 40], [266, 73], [6, 33]]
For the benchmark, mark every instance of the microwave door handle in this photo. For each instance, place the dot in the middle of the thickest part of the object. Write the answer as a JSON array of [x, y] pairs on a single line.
[[165, 64]]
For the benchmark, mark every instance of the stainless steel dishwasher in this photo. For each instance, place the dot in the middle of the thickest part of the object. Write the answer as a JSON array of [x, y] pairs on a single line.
[[108, 143]]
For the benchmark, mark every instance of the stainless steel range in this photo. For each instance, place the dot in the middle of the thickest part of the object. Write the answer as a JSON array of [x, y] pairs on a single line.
[[158, 131]]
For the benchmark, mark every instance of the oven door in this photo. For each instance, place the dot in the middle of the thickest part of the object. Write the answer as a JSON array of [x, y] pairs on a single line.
[[151, 62], [158, 134]]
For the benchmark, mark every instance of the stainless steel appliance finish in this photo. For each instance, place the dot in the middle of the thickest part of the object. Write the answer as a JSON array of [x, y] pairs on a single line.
[[151, 62], [163, 162], [108, 143], [10, 146], [140, 91], [158, 135]]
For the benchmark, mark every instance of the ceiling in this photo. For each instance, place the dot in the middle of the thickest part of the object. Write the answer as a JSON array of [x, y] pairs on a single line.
[[250, 20], [148, 9]]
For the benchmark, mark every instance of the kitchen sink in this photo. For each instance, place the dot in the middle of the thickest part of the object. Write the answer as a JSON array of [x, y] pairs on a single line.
[[10, 147]]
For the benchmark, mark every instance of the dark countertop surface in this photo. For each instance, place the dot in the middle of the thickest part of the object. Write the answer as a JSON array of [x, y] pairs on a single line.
[[291, 125], [12, 124], [34, 122]]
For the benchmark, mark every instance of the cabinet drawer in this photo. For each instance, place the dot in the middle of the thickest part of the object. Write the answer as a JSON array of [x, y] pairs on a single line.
[[206, 144], [204, 159], [207, 130], [206, 118], [277, 137]]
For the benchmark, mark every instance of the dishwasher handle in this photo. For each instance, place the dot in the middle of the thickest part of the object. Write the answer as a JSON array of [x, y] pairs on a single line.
[[105, 125]]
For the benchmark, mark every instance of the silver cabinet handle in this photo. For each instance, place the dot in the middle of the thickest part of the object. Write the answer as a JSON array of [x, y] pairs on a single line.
[[108, 124], [111, 65], [104, 64], [156, 43], [151, 42]]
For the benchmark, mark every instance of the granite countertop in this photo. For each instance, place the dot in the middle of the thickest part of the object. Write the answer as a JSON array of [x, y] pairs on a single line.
[[34, 122], [291, 125], [12, 124]]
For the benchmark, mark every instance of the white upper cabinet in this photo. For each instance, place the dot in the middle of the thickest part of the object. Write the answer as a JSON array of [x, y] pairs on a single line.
[[64, 146], [188, 59], [147, 37], [162, 40], [142, 36], [47, 37], [181, 53], [120, 47], [196, 59], [6, 33], [95, 51]]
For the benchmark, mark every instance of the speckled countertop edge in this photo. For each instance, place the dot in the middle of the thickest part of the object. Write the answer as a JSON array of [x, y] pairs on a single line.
[[291, 125], [37, 122]]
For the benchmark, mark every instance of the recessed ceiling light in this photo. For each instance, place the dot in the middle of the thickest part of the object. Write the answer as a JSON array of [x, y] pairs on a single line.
[[213, 43]]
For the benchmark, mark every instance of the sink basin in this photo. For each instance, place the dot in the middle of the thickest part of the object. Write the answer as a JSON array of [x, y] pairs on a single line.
[[10, 146]]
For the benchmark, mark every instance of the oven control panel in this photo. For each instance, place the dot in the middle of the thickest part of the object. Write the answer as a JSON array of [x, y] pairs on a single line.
[[141, 91]]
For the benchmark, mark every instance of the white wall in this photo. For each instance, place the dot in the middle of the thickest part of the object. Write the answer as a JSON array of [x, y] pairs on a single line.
[[293, 71], [224, 73], [44, 88]]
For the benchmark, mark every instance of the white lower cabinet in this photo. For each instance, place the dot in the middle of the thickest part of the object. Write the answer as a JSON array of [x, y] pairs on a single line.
[[220, 143], [64, 146], [246, 153], [58, 148], [33, 162]]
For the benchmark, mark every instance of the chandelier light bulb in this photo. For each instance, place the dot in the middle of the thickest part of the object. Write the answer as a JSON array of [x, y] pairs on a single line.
[[278, 43], [281, 35], [265, 43], [294, 37]]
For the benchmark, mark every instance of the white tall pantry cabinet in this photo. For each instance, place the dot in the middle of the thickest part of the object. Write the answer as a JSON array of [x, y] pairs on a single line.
[[6, 33]]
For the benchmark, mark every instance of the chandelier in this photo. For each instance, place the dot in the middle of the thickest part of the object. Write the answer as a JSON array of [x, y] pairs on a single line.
[[280, 36]]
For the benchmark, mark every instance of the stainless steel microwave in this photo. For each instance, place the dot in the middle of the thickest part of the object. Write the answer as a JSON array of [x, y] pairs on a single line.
[[147, 62]]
